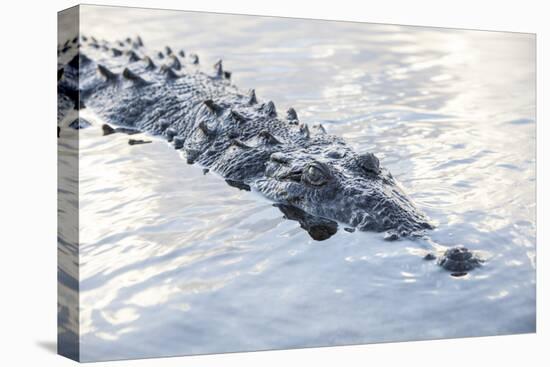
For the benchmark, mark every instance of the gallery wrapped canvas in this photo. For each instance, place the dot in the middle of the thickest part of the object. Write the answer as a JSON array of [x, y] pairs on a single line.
[[231, 183]]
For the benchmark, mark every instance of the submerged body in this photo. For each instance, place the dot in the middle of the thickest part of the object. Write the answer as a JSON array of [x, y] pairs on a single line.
[[311, 175]]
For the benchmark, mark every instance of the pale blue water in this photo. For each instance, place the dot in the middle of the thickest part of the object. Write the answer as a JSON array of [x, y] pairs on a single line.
[[177, 262]]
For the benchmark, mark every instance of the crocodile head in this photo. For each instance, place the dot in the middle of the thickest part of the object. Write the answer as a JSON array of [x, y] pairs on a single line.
[[342, 186]]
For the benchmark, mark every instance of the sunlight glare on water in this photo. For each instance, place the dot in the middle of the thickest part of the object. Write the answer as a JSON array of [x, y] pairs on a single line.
[[174, 261]]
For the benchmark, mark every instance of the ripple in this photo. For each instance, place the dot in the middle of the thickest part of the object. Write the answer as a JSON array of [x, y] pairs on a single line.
[[168, 252]]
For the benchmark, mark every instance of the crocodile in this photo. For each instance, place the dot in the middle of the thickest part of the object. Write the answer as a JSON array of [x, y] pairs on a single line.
[[312, 176]]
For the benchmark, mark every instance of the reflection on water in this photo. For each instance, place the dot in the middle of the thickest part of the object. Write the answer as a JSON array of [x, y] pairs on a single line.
[[174, 261]]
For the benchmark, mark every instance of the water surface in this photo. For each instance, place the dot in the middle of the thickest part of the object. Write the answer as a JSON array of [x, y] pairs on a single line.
[[173, 261]]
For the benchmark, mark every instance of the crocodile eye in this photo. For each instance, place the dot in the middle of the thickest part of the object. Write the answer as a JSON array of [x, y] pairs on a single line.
[[317, 174]]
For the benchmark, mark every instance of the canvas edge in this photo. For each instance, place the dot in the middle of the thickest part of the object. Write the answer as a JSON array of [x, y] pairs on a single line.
[[68, 318]]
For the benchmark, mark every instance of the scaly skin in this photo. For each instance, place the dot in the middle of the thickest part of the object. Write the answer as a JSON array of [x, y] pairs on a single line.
[[240, 137], [313, 177]]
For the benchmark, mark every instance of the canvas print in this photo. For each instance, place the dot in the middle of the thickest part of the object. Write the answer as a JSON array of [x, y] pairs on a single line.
[[232, 183]]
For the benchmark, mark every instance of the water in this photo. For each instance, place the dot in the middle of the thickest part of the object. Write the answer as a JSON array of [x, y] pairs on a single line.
[[177, 262]]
